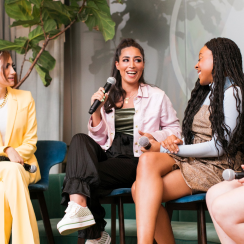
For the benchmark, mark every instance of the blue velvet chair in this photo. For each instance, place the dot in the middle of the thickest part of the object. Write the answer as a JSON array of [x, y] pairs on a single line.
[[48, 154], [194, 202]]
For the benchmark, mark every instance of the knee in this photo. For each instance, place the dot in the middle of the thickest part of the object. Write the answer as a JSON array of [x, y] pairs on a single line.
[[211, 195], [133, 191], [146, 163], [12, 171], [219, 211]]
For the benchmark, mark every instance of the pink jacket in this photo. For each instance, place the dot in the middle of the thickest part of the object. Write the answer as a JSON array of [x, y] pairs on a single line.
[[154, 114]]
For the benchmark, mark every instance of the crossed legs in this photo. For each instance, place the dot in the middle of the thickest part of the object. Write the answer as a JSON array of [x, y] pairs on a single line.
[[225, 204], [156, 183]]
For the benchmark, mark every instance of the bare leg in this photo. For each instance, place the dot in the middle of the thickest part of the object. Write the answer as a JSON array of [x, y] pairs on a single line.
[[225, 203], [79, 199], [153, 185]]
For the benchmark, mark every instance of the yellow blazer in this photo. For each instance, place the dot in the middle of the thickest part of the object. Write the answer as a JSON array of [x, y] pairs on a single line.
[[21, 131]]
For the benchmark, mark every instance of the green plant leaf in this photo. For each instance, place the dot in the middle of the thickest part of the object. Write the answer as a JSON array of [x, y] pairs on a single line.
[[83, 16], [74, 3], [19, 45], [43, 73], [36, 2], [103, 6], [37, 34], [36, 12], [100, 19], [46, 60], [19, 10], [56, 10], [26, 23]]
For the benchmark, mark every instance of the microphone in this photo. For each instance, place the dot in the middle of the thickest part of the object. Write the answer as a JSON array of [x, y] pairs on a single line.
[[144, 142], [27, 167], [31, 168], [229, 174], [110, 81]]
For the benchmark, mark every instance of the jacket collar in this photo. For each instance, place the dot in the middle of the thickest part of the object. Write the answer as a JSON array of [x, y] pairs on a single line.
[[12, 110], [142, 91]]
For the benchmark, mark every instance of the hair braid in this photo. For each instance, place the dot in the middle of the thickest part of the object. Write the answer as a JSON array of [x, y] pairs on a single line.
[[227, 62]]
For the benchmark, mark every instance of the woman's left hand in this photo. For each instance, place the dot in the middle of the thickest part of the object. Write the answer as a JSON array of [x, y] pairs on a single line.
[[149, 136], [155, 146]]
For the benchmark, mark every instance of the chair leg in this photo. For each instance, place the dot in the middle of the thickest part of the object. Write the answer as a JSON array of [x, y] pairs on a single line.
[[113, 223], [121, 222], [81, 241], [169, 211], [201, 225], [45, 217]]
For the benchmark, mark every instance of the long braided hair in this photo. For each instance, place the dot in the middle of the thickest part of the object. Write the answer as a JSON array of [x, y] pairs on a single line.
[[117, 92], [227, 62]]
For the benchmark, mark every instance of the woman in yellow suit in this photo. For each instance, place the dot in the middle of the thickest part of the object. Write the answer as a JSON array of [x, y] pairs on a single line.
[[18, 139]]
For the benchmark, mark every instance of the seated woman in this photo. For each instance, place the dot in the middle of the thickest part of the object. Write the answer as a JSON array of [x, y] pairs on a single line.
[[18, 139], [108, 157], [225, 205], [213, 133]]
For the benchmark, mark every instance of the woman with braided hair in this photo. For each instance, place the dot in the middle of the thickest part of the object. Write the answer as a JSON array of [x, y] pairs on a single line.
[[213, 136]]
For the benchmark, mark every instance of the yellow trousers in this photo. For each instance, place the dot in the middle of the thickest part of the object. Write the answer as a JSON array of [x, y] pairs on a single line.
[[16, 210]]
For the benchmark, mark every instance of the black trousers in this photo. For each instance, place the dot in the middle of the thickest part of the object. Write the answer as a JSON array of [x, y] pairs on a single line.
[[92, 172]]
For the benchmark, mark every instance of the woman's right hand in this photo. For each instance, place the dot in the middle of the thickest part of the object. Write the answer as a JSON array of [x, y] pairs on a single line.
[[14, 156], [101, 96], [171, 143]]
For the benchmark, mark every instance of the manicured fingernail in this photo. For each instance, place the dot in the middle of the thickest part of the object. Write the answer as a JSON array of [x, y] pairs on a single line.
[[103, 97], [102, 100], [103, 91]]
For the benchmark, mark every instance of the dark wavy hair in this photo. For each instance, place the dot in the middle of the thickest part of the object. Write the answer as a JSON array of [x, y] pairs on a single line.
[[227, 62], [117, 92]]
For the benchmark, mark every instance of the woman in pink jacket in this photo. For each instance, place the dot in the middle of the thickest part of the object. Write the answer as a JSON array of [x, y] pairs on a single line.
[[108, 157]]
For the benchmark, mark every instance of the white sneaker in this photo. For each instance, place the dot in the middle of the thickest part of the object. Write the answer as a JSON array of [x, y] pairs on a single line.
[[105, 239], [76, 218]]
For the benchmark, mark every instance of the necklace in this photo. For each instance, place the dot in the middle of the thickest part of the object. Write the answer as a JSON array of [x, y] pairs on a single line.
[[4, 100], [128, 98]]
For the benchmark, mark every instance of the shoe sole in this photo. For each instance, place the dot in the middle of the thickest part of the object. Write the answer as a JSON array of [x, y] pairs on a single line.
[[108, 241], [73, 227]]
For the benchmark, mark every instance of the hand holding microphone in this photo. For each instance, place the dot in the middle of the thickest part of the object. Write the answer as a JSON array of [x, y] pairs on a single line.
[[144, 142], [31, 168], [99, 96], [149, 145], [14, 156]]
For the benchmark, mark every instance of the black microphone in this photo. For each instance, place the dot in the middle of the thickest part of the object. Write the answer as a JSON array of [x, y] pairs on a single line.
[[229, 174], [144, 142], [28, 167], [31, 168], [110, 81]]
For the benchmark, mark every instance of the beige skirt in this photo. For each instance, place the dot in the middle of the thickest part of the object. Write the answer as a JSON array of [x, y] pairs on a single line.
[[200, 174]]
